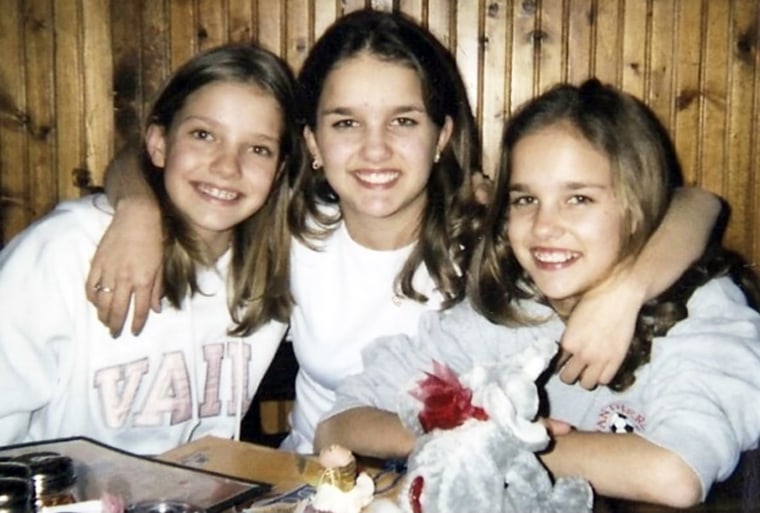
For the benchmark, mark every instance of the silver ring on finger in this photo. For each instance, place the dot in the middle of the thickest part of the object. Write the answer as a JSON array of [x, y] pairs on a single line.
[[100, 288]]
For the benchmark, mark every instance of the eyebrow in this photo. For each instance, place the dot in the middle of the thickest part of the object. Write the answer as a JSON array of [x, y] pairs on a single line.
[[347, 111], [573, 186], [273, 138]]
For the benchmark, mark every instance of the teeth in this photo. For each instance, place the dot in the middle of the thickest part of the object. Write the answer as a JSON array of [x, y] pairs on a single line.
[[378, 177], [217, 193], [553, 257]]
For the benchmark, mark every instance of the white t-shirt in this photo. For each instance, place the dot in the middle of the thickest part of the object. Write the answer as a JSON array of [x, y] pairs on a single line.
[[62, 374], [345, 299]]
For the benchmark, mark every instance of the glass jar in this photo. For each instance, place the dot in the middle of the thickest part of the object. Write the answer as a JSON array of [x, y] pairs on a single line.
[[11, 468], [16, 495], [53, 478]]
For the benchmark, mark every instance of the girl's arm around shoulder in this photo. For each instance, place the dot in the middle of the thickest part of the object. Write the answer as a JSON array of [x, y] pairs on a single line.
[[129, 257], [625, 466], [601, 326], [366, 431]]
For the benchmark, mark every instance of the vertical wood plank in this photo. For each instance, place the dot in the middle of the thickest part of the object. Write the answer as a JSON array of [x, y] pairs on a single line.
[[441, 20], [523, 65], [636, 37], [688, 87], [270, 24], [212, 26], [324, 13], [712, 157], [14, 191], [738, 186], [752, 226], [67, 76], [297, 32], [353, 5], [551, 37], [660, 91], [183, 30], [496, 76], [98, 86], [43, 185], [581, 32], [467, 50], [240, 20], [415, 10], [608, 43], [126, 49], [158, 59], [381, 5]]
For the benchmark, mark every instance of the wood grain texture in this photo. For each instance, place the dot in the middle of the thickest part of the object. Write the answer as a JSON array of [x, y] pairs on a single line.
[[76, 77]]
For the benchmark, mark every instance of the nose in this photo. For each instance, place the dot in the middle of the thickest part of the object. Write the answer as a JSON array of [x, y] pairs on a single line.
[[547, 222], [375, 144], [226, 163]]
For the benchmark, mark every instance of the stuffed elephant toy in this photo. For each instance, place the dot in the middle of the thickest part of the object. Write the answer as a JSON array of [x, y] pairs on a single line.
[[486, 462]]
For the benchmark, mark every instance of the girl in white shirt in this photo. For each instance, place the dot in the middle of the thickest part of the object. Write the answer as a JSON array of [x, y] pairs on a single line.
[[219, 142]]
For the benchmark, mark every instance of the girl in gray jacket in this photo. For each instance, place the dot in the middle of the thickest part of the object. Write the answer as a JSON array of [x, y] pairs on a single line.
[[586, 174]]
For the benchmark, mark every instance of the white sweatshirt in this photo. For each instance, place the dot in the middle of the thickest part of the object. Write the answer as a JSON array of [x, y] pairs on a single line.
[[62, 374]]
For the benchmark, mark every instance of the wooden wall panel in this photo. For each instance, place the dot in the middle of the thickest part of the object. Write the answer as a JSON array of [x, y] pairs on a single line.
[[659, 92], [76, 77], [183, 27], [15, 207], [97, 107], [68, 125], [497, 40], [38, 59], [580, 53]]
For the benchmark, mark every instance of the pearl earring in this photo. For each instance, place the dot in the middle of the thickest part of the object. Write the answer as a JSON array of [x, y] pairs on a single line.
[[315, 164]]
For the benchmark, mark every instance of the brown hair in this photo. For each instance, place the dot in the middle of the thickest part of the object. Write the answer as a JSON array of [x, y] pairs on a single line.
[[445, 238], [645, 172]]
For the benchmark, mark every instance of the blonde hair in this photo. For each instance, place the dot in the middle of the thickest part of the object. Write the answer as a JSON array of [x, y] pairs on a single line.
[[258, 285]]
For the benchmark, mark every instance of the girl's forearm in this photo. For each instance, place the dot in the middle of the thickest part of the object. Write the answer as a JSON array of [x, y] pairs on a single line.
[[625, 466], [366, 431], [124, 181], [679, 241]]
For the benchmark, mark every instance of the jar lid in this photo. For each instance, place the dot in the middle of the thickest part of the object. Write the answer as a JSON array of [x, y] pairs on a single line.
[[15, 492], [50, 472], [164, 506], [9, 468]]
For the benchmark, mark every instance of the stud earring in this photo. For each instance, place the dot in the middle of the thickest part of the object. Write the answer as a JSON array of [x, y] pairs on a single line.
[[437, 157], [315, 164]]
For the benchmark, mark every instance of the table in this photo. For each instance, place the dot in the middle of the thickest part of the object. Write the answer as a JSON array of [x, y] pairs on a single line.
[[240, 459], [281, 469], [254, 462]]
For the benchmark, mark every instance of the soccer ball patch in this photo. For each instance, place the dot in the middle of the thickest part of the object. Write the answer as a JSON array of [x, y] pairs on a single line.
[[621, 423]]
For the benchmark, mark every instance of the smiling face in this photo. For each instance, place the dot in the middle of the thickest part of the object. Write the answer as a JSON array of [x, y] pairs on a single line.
[[220, 156], [377, 145], [565, 222]]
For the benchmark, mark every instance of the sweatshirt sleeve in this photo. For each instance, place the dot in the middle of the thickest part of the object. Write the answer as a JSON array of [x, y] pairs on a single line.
[[41, 280], [704, 390]]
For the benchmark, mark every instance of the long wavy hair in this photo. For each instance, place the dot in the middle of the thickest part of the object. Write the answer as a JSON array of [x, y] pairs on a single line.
[[258, 286], [446, 229], [645, 173]]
